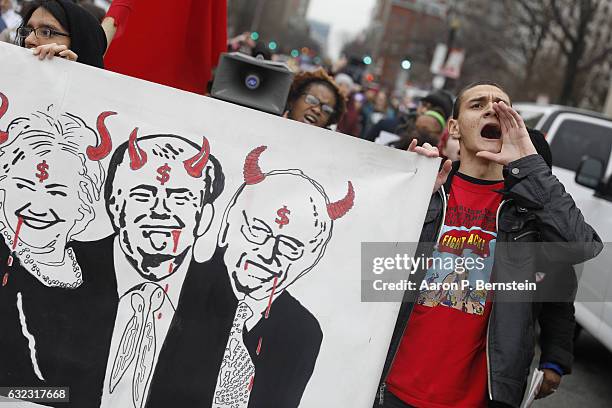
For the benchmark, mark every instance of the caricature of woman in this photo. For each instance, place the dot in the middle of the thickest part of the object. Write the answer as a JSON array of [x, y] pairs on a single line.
[[56, 310]]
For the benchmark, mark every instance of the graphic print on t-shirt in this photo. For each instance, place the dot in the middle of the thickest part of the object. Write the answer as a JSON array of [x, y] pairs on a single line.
[[463, 257]]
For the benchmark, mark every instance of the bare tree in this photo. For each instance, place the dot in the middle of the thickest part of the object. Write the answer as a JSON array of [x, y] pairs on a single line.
[[490, 53], [530, 23], [544, 35], [579, 32]]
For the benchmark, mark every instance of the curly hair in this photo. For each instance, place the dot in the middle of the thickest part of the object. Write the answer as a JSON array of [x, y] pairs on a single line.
[[303, 80]]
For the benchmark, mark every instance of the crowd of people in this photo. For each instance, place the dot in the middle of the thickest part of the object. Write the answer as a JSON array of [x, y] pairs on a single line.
[[489, 156], [362, 111]]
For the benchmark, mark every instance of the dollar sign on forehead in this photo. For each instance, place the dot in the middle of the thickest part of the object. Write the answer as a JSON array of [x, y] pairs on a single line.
[[164, 174], [283, 219], [42, 168]]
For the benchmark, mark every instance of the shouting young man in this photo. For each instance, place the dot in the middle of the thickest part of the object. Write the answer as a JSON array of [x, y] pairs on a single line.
[[461, 341]]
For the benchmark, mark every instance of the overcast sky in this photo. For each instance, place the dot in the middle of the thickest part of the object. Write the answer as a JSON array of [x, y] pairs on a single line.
[[348, 16]]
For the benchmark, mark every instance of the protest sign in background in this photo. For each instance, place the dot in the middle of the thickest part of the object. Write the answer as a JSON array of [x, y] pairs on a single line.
[[294, 204]]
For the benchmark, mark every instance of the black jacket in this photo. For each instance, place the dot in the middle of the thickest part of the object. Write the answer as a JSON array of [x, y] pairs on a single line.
[[72, 328], [536, 208], [189, 362], [554, 311]]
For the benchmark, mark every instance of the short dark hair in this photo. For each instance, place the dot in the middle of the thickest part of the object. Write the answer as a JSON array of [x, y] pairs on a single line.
[[457, 104], [303, 80]]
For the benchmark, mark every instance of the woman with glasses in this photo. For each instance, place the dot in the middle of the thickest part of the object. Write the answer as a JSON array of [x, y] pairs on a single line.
[[64, 29], [315, 99]]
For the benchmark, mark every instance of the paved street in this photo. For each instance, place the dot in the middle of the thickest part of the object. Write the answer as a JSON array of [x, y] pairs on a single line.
[[590, 385]]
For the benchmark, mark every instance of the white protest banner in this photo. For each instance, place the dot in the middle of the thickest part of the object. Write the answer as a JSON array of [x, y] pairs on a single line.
[[161, 248], [439, 57], [454, 62]]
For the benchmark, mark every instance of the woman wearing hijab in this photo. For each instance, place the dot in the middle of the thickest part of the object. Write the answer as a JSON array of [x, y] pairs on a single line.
[[55, 334], [64, 29]]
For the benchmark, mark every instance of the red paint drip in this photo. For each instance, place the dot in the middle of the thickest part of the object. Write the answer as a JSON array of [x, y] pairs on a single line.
[[170, 268], [271, 297], [250, 387], [9, 261], [246, 265], [17, 230], [259, 345], [159, 316], [166, 288], [5, 279], [176, 234]]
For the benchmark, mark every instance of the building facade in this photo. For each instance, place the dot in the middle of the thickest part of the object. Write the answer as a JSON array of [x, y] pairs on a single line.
[[268, 17], [406, 30]]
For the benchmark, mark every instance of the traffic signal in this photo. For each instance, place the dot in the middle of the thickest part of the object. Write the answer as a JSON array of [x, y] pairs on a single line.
[[272, 45], [367, 60], [254, 36], [406, 64], [295, 53]]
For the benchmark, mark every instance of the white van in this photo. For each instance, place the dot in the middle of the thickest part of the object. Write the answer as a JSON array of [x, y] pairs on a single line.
[[581, 144]]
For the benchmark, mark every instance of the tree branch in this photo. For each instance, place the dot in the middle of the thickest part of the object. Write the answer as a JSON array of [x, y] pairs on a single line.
[[559, 19]]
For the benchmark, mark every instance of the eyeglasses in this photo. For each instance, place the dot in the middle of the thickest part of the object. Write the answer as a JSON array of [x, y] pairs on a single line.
[[314, 101], [40, 32]]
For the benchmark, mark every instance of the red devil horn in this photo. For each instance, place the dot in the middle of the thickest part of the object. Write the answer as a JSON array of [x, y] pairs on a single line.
[[196, 164], [106, 144], [4, 104], [252, 172], [138, 157], [340, 208]]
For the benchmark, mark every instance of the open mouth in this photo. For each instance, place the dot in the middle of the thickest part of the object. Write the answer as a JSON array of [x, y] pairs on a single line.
[[308, 118], [491, 131], [157, 238]]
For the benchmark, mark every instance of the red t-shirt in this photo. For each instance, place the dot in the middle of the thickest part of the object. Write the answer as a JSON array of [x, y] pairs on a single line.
[[441, 361]]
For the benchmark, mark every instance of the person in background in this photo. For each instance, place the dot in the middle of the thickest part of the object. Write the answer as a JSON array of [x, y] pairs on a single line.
[[427, 127], [9, 20], [64, 29], [394, 106], [315, 99], [439, 101], [345, 83], [371, 90], [378, 112], [241, 43], [350, 123]]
